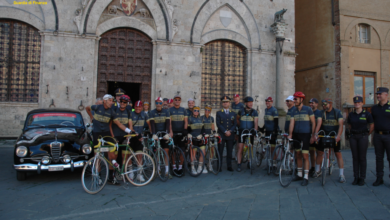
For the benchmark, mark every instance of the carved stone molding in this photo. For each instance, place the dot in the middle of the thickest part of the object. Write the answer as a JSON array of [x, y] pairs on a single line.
[[278, 28], [174, 22], [79, 15]]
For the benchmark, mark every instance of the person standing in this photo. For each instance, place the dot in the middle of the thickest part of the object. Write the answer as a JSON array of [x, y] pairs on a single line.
[[247, 118], [191, 104], [381, 116], [195, 130], [313, 145], [118, 93], [226, 123], [331, 121], [271, 122], [170, 103], [358, 122], [236, 107], [300, 130], [291, 107]]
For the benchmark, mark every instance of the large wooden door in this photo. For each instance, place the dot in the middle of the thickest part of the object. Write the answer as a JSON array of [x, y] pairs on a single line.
[[125, 55]]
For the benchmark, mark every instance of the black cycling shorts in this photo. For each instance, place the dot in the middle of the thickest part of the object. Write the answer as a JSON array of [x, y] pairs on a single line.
[[244, 138], [313, 146], [179, 142], [273, 137], [332, 144], [164, 144], [300, 137]]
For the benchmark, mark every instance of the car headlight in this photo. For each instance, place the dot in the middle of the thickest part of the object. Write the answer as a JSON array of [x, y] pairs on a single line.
[[87, 149], [45, 159], [66, 158], [21, 151]]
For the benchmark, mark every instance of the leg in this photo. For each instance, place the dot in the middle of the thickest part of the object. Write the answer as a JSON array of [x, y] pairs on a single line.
[[239, 152], [312, 151], [362, 156], [355, 155], [298, 154], [229, 149], [221, 147], [379, 154], [386, 141]]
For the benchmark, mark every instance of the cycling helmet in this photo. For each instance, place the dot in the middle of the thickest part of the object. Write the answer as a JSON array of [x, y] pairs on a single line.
[[299, 95], [124, 98], [248, 99]]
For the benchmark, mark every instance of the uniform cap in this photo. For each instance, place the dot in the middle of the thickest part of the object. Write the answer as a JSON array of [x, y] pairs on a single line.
[[313, 100], [382, 89], [119, 91], [290, 98], [357, 99], [225, 98], [138, 104], [269, 99], [159, 99]]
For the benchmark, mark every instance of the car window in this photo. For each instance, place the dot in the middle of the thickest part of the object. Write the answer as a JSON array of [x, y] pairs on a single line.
[[50, 118]]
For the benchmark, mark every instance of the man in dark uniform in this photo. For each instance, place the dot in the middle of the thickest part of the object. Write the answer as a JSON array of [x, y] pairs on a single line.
[[118, 93], [313, 145], [179, 121], [226, 123], [381, 115]]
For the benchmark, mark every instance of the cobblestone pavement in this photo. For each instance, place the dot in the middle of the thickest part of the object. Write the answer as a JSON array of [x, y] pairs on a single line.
[[229, 195]]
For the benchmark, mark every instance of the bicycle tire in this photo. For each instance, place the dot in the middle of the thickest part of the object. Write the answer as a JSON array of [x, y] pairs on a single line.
[[331, 162], [259, 154], [198, 155], [268, 157], [145, 168], [244, 156], [279, 154], [160, 164], [176, 153], [213, 161], [251, 158], [324, 168], [98, 179], [287, 170]]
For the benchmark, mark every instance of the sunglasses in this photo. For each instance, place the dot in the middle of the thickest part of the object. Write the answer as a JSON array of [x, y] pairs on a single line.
[[268, 101], [207, 110], [196, 110], [124, 102], [159, 103], [177, 100]]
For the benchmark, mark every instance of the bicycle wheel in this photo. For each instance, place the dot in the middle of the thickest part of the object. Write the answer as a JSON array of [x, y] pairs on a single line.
[[177, 158], [251, 158], [287, 169], [331, 161], [278, 156], [142, 167], [196, 162], [213, 163], [259, 154], [269, 160], [94, 175], [324, 167], [160, 159]]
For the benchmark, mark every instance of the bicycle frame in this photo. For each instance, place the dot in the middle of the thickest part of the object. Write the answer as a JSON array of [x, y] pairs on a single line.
[[327, 149]]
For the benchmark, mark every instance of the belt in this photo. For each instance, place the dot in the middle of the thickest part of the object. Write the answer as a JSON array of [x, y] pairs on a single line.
[[382, 132], [358, 132]]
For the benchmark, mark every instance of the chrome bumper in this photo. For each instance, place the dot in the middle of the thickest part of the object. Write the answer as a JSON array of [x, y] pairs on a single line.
[[39, 167]]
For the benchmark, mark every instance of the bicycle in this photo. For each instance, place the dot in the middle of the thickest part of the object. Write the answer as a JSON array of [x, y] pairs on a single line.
[[159, 157], [177, 158], [212, 155], [278, 154], [267, 154], [259, 149], [194, 159], [95, 172], [247, 152], [326, 162], [287, 167]]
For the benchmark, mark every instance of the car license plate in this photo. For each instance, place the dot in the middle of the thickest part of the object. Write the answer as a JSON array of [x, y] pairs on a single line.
[[104, 149], [59, 168]]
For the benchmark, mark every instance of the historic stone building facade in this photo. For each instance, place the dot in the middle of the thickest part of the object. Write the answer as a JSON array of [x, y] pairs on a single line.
[[67, 53]]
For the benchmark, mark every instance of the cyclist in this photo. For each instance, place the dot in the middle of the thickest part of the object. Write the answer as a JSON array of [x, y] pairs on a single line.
[[236, 107], [226, 123], [123, 115], [313, 145], [331, 120], [146, 108], [247, 118], [191, 104], [179, 121], [170, 103], [165, 103], [291, 107], [358, 122], [159, 120], [195, 130], [103, 114], [208, 122], [301, 117], [271, 121]]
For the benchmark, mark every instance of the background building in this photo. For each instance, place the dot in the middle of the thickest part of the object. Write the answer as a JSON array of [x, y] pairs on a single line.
[[68, 53]]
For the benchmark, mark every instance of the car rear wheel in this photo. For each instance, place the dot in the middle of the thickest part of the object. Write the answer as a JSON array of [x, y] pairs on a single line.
[[21, 175]]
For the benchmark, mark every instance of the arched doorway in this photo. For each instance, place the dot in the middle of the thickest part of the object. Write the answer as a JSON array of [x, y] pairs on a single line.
[[223, 71], [20, 58], [125, 61]]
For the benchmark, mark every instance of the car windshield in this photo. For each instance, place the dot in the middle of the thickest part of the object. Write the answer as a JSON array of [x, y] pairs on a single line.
[[60, 119]]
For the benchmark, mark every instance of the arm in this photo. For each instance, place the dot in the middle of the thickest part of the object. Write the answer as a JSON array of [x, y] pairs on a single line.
[[151, 126], [341, 123], [371, 128], [276, 124], [256, 120], [212, 127], [219, 126], [168, 126], [238, 120], [89, 112], [110, 125], [319, 123], [131, 124], [121, 126], [291, 128], [313, 129]]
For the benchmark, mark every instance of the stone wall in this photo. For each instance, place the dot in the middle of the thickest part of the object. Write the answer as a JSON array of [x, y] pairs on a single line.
[[178, 28]]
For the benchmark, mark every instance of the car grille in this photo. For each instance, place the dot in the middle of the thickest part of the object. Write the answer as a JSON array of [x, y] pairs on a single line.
[[55, 148]]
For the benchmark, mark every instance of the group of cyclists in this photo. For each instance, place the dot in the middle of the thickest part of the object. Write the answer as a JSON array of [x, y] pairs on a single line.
[[303, 123]]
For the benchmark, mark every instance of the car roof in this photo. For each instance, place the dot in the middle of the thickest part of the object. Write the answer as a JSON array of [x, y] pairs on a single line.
[[52, 110]]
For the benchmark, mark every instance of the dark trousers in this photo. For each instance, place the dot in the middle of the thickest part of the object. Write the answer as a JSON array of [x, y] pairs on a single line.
[[229, 151], [359, 145], [381, 144]]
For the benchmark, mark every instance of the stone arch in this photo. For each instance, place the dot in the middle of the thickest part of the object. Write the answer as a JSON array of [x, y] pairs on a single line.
[[364, 21], [225, 35], [128, 22], [22, 15], [238, 7], [96, 8], [387, 39]]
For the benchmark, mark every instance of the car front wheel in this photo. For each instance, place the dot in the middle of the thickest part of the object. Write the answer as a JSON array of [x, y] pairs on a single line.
[[21, 175]]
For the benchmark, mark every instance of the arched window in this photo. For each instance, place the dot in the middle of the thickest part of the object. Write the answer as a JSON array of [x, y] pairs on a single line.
[[364, 34], [20, 56], [223, 71]]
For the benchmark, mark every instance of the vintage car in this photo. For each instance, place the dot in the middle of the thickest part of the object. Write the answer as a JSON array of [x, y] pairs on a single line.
[[53, 139]]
